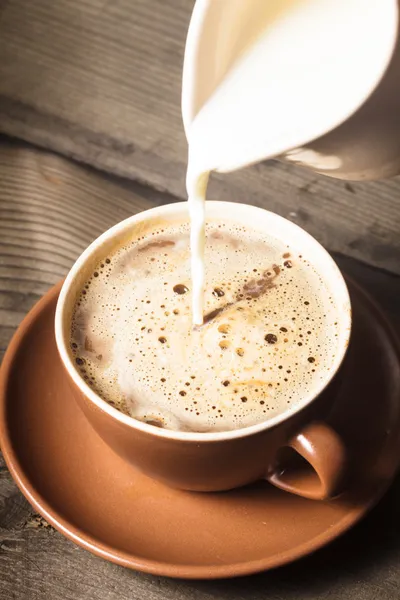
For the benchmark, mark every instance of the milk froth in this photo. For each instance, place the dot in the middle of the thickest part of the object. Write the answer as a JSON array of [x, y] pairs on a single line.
[[269, 335]]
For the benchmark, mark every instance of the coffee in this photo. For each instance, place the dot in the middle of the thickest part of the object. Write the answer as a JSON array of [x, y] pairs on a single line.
[[268, 339]]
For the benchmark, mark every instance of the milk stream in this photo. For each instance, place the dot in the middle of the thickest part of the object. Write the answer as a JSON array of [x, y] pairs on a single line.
[[197, 187]]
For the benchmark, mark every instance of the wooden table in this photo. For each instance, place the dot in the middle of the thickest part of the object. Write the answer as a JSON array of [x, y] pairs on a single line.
[[99, 82]]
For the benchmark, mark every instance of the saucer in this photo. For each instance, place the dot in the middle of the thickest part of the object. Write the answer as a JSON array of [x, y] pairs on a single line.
[[89, 494]]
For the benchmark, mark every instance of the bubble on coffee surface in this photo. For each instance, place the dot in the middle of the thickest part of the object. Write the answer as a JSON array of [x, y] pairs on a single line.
[[269, 335]]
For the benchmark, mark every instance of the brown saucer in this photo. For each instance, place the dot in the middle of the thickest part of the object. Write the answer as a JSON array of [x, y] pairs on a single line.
[[87, 492]]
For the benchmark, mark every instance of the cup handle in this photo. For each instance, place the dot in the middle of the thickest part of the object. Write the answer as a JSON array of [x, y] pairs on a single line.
[[312, 465]]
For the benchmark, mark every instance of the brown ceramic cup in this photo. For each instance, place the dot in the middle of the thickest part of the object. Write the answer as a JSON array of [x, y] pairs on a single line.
[[296, 451]]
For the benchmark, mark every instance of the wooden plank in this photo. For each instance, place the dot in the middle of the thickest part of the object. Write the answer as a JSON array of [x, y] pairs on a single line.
[[100, 81], [50, 210], [53, 208]]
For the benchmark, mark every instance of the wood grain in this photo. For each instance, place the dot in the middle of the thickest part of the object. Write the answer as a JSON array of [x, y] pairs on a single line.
[[100, 81], [50, 209]]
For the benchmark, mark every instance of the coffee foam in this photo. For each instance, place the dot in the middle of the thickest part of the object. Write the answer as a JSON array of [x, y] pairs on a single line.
[[269, 335]]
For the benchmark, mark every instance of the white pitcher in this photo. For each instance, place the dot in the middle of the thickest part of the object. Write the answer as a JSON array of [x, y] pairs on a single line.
[[319, 84]]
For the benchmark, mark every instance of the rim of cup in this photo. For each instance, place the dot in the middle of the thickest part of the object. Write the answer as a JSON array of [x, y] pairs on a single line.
[[248, 215]]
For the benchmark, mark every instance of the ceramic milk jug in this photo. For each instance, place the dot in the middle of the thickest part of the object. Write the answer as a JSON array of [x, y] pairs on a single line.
[[314, 82]]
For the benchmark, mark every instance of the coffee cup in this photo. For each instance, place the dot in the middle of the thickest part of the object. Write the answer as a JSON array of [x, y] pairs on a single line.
[[296, 450]]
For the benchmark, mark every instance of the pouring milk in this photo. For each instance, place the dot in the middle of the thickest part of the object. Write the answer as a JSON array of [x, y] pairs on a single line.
[[262, 77]]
